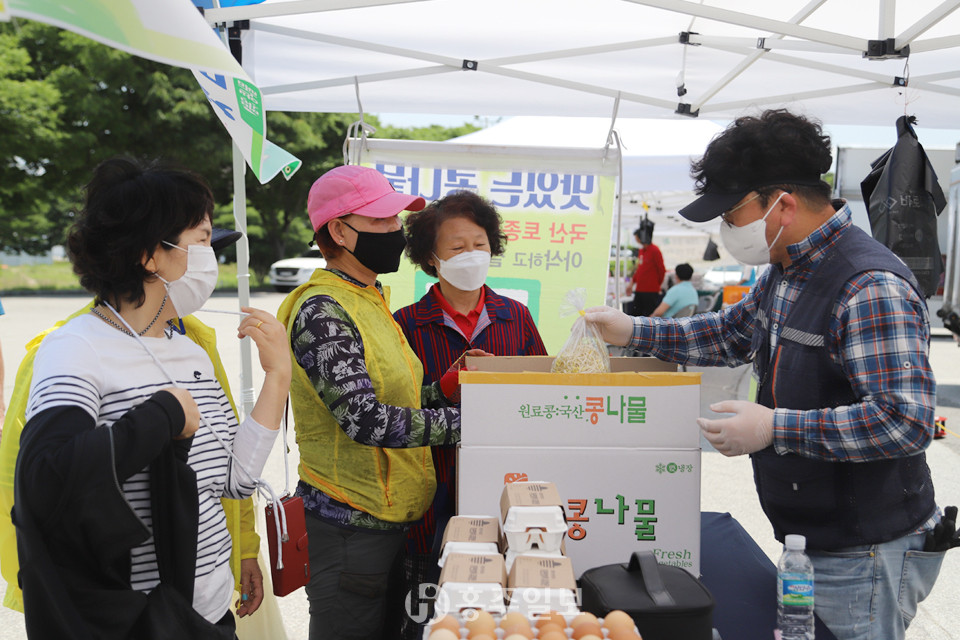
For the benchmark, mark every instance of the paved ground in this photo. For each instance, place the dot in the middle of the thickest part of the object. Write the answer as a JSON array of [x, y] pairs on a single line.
[[727, 483]]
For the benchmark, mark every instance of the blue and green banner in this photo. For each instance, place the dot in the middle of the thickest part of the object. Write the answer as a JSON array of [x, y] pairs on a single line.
[[173, 32]]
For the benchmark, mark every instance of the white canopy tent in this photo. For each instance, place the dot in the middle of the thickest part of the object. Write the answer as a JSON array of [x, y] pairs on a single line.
[[840, 60]]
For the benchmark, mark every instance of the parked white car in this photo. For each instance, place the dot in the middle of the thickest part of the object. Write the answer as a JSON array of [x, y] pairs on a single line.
[[723, 275], [289, 273]]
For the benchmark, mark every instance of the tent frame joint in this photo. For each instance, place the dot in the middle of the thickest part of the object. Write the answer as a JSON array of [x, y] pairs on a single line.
[[885, 49], [685, 38], [684, 109], [470, 65]]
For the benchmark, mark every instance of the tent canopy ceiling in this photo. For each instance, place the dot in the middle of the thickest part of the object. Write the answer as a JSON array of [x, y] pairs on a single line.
[[575, 57]]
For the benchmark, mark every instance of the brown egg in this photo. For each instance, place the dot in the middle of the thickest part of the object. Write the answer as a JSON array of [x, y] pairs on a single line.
[[479, 621], [622, 633], [446, 622], [484, 636], [587, 628], [518, 636], [552, 634], [515, 622], [551, 626], [590, 636], [583, 617], [551, 618], [443, 634], [617, 618]]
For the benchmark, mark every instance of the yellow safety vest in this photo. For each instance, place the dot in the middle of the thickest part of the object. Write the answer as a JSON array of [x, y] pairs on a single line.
[[394, 485], [240, 515]]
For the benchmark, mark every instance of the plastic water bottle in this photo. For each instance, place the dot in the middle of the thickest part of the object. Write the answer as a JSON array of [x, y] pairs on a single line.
[[795, 591]]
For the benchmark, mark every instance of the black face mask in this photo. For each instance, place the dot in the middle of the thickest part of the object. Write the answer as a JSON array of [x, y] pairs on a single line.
[[379, 252]]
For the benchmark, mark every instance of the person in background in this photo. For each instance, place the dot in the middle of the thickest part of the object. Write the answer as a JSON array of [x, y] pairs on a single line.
[[130, 441], [364, 419], [453, 240], [647, 280], [838, 334], [680, 295]]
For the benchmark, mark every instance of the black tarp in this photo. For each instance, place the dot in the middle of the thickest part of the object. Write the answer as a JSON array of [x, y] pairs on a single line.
[[903, 199]]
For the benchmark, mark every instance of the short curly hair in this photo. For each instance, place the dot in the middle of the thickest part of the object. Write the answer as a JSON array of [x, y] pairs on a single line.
[[761, 152], [422, 226], [131, 207]]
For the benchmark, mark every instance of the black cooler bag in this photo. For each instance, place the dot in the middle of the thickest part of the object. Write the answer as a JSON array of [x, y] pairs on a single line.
[[665, 602]]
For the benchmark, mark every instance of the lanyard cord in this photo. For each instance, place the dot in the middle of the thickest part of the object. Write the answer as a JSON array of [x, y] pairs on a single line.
[[279, 515]]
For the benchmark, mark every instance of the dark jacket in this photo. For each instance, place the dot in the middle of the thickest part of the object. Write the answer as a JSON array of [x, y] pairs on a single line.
[[75, 529], [834, 504]]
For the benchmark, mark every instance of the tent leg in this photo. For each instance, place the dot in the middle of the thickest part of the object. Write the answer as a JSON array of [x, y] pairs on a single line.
[[243, 276]]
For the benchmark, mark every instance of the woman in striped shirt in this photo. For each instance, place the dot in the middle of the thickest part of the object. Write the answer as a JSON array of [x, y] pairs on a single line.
[[130, 441]]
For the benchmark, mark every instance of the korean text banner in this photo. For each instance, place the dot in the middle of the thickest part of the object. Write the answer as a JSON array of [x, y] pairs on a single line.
[[557, 207], [173, 32]]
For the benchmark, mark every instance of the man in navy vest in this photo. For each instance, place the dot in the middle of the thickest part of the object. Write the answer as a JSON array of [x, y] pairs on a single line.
[[838, 335]]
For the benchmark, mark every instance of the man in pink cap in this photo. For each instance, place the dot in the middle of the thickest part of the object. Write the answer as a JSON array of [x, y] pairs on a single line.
[[364, 421]]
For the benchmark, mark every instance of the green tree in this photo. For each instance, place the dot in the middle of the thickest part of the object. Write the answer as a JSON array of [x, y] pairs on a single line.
[[67, 103], [30, 113]]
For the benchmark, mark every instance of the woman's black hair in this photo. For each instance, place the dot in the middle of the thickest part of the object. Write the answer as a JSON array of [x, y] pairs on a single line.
[[130, 208], [422, 226]]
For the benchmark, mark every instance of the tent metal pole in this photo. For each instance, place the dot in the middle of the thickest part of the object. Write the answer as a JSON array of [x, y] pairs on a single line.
[[888, 16], [243, 275], [296, 7], [920, 27], [758, 22], [744, 64]]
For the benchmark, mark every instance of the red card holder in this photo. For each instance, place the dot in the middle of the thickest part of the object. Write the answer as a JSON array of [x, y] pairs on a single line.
[[289, 555]]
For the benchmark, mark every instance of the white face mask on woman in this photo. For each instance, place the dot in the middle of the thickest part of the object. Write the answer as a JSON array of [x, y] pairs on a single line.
[[466, 271], [189, 292], [748, 243]]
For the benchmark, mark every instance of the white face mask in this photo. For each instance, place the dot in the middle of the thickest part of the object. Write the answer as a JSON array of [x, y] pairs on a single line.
[[466, 271], [190, 291], [748, 243]]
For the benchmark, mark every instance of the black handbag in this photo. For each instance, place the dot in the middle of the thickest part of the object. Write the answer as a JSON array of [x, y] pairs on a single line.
[[665, 602]]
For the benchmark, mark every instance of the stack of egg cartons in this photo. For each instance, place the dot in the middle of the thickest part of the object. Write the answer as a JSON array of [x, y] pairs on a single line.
[[472, 571], [540, 578]]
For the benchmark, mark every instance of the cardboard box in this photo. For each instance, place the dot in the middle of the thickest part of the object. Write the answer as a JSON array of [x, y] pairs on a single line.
[[532, 516], [470, 548], [617, 500], [472, 529], [516, 401], [472, 581], [538, 585]]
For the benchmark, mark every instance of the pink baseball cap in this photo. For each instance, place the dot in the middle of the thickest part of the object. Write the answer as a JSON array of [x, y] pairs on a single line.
[[360, 190]]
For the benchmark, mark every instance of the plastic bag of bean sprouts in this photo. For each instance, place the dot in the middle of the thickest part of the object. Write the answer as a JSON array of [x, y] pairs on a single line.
[[585, 350]]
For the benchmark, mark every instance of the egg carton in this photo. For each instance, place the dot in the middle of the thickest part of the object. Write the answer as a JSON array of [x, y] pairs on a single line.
[[483, 548], [526, 528], [512, 554], [454, 597]]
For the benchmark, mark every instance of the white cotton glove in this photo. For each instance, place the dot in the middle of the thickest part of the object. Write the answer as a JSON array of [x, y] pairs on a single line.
[[615, 326], [749, 429]]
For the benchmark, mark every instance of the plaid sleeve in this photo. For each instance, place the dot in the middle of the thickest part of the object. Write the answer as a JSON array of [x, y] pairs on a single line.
[[327, 344], [707, 339], [880, 337]]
